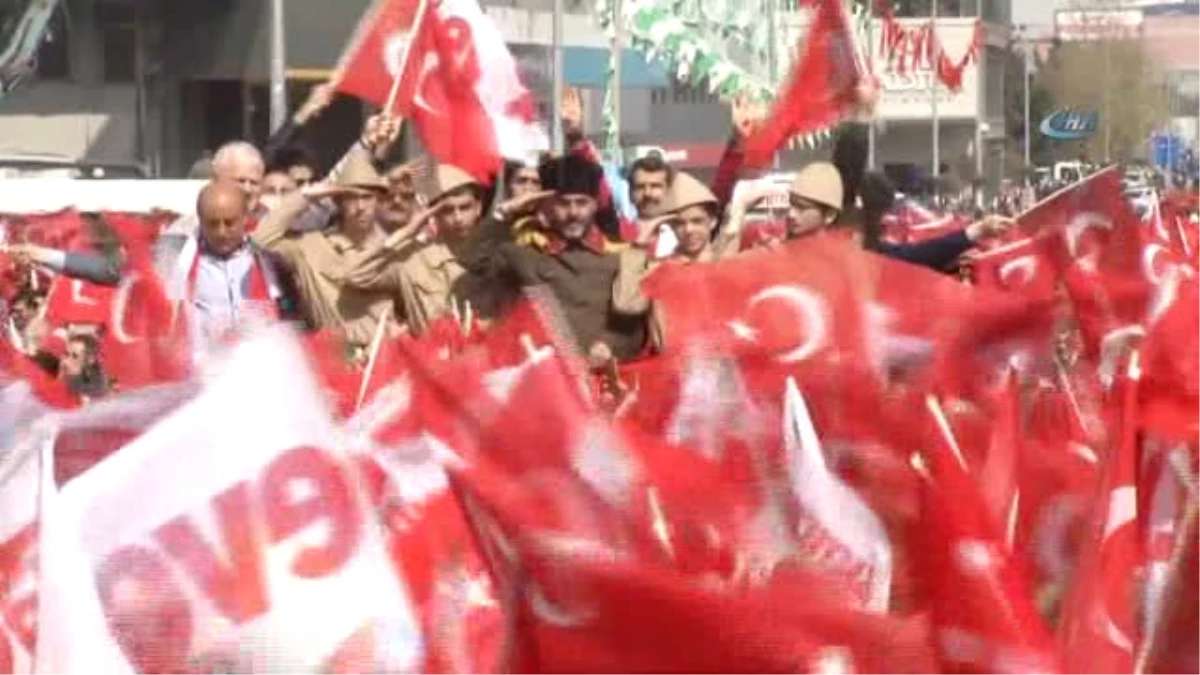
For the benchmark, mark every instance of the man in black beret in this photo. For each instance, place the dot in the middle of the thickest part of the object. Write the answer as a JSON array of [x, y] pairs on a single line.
[[578, 263]]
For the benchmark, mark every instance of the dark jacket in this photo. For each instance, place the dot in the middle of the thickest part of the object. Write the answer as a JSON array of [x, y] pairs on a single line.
[[939, 254], [850, 156], [580, 278], [98, 268]]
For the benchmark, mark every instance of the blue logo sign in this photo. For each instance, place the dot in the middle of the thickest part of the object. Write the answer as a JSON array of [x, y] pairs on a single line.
[[1069, 125]]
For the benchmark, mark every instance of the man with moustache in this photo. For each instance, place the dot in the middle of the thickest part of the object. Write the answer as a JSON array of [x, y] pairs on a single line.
[[429, 272], [578, 263]]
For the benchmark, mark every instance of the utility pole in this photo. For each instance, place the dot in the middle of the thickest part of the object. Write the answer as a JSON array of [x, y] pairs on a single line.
[[773, 51], [933, 104], [556, 134], [1109, 36], [871, 50], [279, 104], [1025, 84], [980, 101], [618, 50]]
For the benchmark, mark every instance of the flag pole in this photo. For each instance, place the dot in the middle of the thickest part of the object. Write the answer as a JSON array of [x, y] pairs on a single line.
[[556, 48], [979, 98], [279, 103], [418, 21], [618, 48], [933, 103], [373, 355], [773, 55], [871, 141]]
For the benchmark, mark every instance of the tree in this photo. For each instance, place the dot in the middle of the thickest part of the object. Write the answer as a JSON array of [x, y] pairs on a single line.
[[1117, 79], [1041, 104]]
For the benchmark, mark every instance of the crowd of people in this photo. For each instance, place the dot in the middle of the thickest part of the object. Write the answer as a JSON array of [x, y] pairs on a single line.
[[376, 248], [886, 518]]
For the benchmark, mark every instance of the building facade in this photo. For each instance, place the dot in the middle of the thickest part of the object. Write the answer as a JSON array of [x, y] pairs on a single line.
[[159, 82]]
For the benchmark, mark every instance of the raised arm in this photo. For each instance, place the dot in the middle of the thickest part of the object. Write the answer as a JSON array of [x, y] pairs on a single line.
[[379, 132], [318, 99], [627, 297], [492, 254], [942, 253], [379, 268], [728, 168], [275, 233], [97, 268]]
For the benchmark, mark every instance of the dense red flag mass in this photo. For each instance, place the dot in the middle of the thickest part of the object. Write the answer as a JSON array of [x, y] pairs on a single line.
[[476, 432]]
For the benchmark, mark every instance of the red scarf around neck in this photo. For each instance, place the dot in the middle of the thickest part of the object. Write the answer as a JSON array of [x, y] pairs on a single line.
[[257, 290]]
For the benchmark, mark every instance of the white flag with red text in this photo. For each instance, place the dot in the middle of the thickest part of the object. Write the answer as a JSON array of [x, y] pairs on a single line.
[[234, 534], [21, 441]]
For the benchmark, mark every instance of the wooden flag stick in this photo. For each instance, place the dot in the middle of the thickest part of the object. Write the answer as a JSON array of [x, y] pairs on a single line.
[[413, 35], [376, 344], [1153, 643]]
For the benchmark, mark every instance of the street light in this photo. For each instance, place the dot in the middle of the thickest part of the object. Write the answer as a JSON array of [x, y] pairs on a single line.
[[1025, 84]]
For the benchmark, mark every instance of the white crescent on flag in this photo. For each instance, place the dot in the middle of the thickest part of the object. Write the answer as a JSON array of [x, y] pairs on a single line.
[[809, 310], [393, 52]]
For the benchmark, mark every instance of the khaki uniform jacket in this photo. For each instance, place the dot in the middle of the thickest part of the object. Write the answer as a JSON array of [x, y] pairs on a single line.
[[423, 275], [426, 276], [320, 262], [635, 264]]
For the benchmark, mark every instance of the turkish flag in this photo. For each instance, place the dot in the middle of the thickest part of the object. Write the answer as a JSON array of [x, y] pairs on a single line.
[[376, 53], [822, 88], [1021, 267], [1100, 630], [78, 301], [1092, 222], [800, 304], [458, 82]]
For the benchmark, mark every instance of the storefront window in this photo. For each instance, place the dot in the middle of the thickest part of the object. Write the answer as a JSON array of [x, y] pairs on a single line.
[[920, 8]]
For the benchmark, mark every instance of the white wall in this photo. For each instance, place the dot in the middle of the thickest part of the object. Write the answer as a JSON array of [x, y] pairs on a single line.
[[84, 122], [535, 27]]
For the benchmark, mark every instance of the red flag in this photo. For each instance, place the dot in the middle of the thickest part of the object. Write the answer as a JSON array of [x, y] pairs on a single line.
[[1021, 267], [373, 58], [141, 345], [1095, 240], [798, 303], [1100, 629], [459, 83], [822, 89], [78, 301], [60, 229], [984, 618]]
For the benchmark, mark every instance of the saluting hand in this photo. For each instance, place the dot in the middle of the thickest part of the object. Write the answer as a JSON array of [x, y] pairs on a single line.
[[323, 190], [418, 222], [523, 204]]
